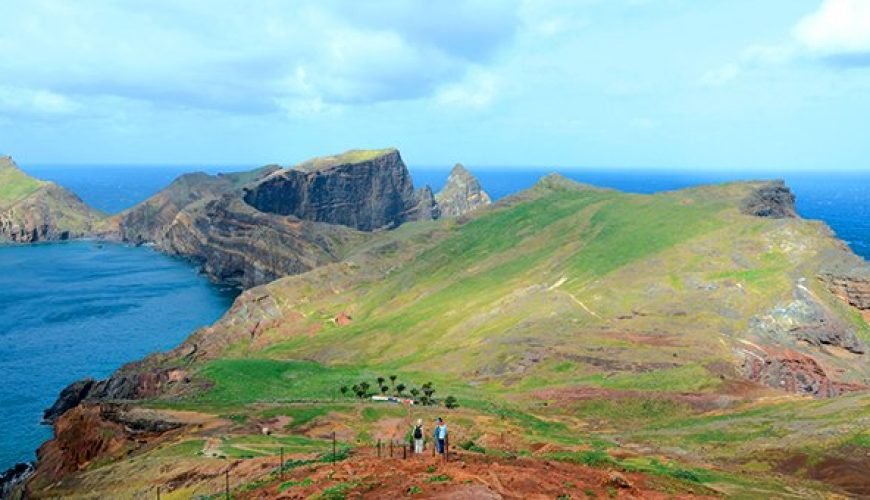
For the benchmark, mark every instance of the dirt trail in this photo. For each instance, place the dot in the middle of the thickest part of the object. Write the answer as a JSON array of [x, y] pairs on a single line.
[[472, 476]]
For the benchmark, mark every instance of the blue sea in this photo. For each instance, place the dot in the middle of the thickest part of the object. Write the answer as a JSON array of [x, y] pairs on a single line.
[[71, 310]]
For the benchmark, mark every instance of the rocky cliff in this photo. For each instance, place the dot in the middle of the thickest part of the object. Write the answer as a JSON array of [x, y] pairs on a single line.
[[239, 245], [365, 190], [251, 228], [462, 193], [773, 199], [148, 221], [32, 210]]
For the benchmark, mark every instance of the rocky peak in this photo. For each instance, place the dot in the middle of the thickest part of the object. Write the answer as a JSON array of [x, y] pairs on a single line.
[[7, 162], [773, 200], [363, 189], [461, 194]]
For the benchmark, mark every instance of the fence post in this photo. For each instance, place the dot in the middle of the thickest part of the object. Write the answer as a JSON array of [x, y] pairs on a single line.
[[446, 448], [333, 448], [158, 493], [379, 448], [281, 467], [391, 448], [404, 452], [227, 483]]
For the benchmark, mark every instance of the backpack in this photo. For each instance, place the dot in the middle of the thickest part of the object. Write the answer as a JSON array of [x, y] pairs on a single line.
[[418, 432]]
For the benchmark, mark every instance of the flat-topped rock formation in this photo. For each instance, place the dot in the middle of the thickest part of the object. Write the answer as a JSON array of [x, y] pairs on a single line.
[[365, 190]]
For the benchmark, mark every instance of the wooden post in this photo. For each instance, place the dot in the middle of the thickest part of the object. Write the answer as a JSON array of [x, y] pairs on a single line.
[[281, 467], [404, 452], [446, 447], [333, 448], [227, 483], [158, 493], [391, 448], [379, 448]]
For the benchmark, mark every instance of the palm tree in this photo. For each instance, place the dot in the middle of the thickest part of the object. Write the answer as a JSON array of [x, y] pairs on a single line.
[[400, 388], [384, 389], [415, 392], [365, 386], [344, 390], [381, 381]]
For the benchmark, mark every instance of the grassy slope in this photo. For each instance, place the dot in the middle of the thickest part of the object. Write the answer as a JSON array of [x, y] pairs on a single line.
[[558, 288], [348, 157], [15, 185]]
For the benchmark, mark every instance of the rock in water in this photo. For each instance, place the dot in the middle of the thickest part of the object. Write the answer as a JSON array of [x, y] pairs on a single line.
[[32, 210], [14, 478], [365, 190], [461, 194]]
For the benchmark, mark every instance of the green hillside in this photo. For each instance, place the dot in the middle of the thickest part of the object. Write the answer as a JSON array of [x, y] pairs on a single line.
[[588, 326], [15, 185]]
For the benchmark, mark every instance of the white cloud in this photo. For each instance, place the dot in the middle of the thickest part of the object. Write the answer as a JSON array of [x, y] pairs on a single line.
[[23, 101], [476, 91], [239, 57], [837, 27]]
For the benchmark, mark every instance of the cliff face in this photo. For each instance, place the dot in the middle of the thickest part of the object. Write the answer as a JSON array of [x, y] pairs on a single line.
[[461, 194], [32, 210], [238, 245], [362, 190], [251, 228]]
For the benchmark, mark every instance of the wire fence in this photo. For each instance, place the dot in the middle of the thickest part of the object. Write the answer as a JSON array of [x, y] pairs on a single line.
[[389, 449]]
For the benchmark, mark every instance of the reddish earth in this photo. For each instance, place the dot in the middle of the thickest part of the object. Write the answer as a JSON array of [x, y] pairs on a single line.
[[81, 435], [849, 470], [473, 476], [795, 372], [343, 319]]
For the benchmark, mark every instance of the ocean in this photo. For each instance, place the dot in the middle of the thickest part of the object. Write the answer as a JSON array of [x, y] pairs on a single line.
[[71, 310]]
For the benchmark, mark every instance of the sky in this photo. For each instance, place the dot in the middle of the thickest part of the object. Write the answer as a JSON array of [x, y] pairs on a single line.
[[718, 84]]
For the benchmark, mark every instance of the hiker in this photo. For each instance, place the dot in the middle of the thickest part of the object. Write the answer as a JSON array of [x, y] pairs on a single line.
[[440, 435], [418, 436]]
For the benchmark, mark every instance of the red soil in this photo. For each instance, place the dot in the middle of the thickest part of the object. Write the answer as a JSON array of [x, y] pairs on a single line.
[[474, 476]]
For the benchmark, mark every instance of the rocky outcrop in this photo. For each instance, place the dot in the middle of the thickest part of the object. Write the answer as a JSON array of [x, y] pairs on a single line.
[[774, 200], [12, 481], [365, 190], [133, 381], [847, 276], [148, 221], [794, 372], [806, 320], [239, 245], [96, 432], [32, 210], [462, 193]]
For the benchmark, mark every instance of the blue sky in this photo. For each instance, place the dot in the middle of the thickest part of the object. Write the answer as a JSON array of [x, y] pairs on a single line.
[[718, 84]]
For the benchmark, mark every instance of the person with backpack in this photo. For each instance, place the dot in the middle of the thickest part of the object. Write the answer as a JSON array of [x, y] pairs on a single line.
[[418, 436], [440, 435]]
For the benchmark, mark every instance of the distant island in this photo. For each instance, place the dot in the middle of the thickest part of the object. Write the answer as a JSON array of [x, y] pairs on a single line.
[[579, 341]]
